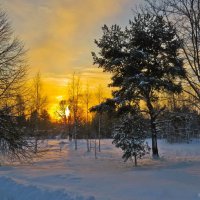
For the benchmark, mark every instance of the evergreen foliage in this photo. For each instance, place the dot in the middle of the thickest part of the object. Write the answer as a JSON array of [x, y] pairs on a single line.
[[144, 60], [129, 135]]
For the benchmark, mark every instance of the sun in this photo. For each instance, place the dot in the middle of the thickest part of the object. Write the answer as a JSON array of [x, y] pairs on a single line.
[[59, 98], [53, 108]]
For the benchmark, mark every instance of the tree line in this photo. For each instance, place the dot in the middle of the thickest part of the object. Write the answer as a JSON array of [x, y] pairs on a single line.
[[155, 67]]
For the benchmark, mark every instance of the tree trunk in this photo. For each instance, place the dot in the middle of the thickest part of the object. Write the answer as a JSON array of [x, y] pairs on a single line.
[[154, 139], [88, 137], [76, 142], [70, 133], [36, 145], [95, 148], [99, 132], [135, 157], [153, 129], [75, 136], [90, 142], [88, 146]]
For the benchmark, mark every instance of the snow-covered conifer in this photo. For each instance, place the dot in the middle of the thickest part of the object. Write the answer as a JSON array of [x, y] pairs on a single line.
[[129, 135], [144, 60]]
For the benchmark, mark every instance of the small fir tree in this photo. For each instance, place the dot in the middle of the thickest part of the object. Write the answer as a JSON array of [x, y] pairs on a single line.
[[130, 137]]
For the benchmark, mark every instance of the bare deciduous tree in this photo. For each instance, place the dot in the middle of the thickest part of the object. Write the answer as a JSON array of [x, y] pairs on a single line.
[[38, 101], [185, 16], [99, 96], [87, 100], [13, 68], [74, 93]]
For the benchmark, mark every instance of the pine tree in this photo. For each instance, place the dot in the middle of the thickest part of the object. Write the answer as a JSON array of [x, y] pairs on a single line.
[[144, 60]]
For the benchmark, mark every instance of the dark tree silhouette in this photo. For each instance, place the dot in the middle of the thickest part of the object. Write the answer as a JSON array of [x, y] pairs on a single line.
[[144, 60], [13, 142], [185, 17]]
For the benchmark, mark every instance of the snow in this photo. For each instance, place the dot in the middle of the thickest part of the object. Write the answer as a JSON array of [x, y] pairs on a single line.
[[77, 175]]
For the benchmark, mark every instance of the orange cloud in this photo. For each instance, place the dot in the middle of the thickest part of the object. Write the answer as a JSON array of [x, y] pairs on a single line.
[[60, 36]]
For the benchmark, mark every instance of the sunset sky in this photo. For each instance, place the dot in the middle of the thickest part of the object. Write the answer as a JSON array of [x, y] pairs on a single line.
[[59, 36]]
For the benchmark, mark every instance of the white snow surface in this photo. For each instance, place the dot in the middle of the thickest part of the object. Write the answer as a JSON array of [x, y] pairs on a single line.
[[77, 175]]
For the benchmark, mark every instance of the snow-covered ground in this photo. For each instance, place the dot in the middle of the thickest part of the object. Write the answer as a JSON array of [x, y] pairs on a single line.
[[76, 175]]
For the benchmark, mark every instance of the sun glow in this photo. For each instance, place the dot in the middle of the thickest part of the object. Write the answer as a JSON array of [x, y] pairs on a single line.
[[67, 111], [59, 98], [59, 50], [52, 111]]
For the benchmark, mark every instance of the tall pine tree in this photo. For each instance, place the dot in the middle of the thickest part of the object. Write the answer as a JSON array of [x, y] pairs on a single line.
[[144, 60]]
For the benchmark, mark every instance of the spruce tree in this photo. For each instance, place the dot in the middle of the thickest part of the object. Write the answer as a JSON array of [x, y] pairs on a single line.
[[129, 135]]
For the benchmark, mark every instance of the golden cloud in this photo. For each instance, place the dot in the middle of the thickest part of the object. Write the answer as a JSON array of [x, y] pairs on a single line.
[[60, 36]]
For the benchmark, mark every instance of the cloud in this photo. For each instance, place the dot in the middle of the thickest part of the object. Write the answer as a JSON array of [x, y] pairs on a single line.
[[60, 33], [60, 36]]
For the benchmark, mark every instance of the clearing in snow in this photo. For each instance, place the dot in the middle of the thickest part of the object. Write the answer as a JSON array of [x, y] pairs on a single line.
[[77, 175]]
